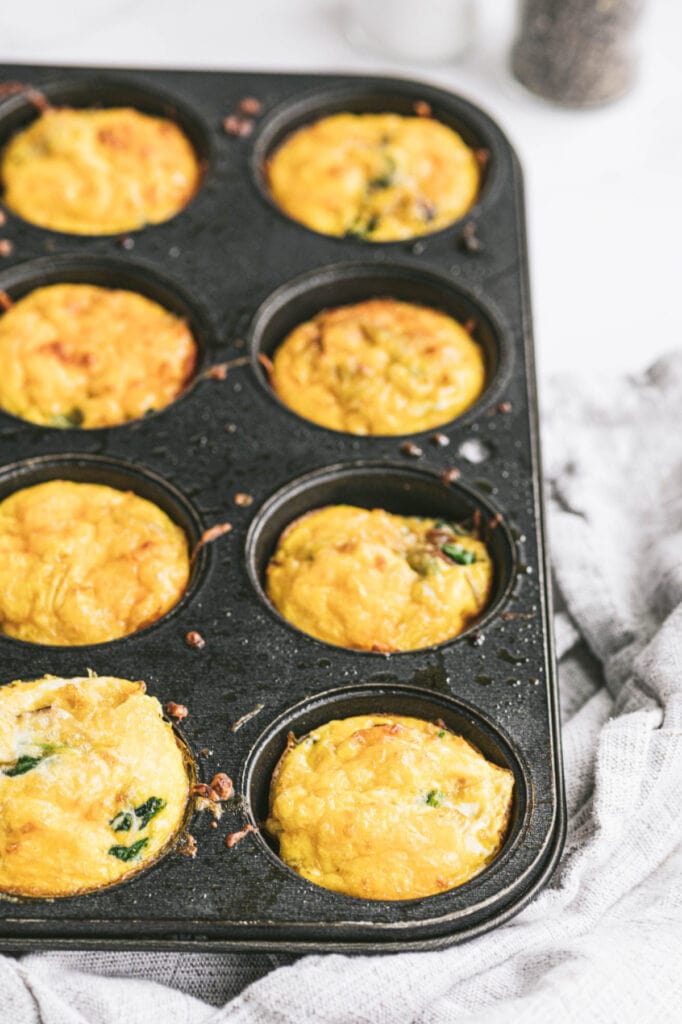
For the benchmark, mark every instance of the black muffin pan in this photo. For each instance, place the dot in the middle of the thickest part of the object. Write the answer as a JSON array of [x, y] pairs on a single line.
[[243, 274]]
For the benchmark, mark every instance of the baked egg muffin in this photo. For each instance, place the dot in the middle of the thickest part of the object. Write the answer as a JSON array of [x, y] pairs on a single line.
[[93, 784], [77, 355], [98, 172], [379, 367], [387, 807], [379, 177], [374, 581], [83, 563]]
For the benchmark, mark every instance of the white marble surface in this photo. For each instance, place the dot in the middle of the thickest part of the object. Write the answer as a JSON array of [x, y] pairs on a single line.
[[603, 187]]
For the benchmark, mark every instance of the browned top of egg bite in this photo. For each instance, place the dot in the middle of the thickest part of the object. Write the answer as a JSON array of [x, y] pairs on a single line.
[[98, 172], [387, 807], [78, 355], [371, 580], [379, 367], [379, 177], [83, 563]]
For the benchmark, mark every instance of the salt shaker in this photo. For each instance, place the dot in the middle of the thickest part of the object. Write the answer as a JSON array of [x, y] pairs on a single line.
[[428, 30]]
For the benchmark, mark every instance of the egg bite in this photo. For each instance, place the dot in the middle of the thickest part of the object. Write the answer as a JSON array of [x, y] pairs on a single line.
[[379, 177], [379, 367], [82, 563], [387, 807], [98, 172], [78, 355], [93, 784], [373, 581]]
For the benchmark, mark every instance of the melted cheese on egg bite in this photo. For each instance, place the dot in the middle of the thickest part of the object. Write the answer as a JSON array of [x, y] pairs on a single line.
[[93, 784], [388, 807]]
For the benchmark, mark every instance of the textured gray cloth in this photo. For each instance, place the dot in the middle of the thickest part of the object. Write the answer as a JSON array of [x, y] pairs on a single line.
[[603, 942]]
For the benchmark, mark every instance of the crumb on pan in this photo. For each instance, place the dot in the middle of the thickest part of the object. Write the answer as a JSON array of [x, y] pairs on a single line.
[[246, 717], [194, 639], [210, 535], [236, 837], [176, 711]]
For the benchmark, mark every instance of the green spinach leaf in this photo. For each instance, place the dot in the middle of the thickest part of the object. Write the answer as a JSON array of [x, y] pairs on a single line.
[[148, 810], [127, 853], [459, 554]]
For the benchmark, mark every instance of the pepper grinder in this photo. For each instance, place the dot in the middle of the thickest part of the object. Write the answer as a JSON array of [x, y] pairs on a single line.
[[577, 52]]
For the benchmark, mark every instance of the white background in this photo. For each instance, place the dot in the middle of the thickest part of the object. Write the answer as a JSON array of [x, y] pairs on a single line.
[[604, 187]]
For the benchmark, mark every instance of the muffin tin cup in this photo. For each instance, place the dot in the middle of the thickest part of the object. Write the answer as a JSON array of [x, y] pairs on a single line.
[[397, 489], [121, 476], [378, 699], [368, 96], [301, 300], [102, 91], [229, 451]]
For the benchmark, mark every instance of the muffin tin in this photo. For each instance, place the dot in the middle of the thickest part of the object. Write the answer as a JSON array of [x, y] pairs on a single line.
[[243, 274]]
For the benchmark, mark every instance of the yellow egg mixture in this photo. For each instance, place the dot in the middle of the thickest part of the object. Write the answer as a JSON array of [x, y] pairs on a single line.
[[372, 580], [98, 172], [83, 356], [380, 177], [82, 563], [379, 367], [388, 807], [93, 784]]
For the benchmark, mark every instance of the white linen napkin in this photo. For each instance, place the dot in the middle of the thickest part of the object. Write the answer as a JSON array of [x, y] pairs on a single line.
[[603, 942]]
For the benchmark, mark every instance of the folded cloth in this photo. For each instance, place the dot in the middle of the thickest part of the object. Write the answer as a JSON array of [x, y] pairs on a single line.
[[603, 941]]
